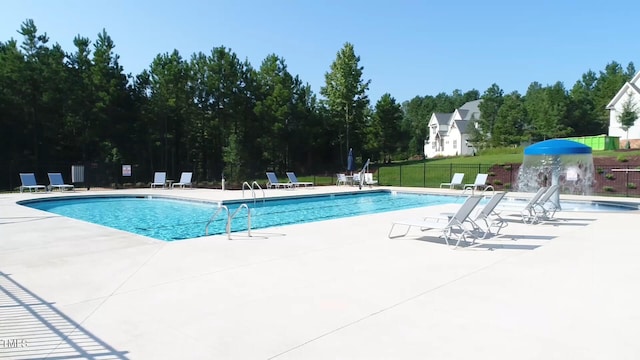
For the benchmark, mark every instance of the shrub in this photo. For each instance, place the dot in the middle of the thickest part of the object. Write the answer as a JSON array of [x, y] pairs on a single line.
[[491, 173], [608, 188], [507, 167], [610, 176], [622, 158], [497, 182], [600, 170], [631, 186], [507, 186]]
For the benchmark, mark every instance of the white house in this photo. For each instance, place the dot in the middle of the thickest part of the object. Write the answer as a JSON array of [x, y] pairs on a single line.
[[630, 90], [448, 133]]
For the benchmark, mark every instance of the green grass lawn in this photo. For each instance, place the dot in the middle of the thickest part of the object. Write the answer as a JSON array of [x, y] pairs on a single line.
[[433, 172]]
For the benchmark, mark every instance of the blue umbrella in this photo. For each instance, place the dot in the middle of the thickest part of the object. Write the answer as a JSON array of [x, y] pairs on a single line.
[[350, 166]]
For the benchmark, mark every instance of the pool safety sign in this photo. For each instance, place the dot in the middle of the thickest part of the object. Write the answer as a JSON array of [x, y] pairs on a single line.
[[126, 170]]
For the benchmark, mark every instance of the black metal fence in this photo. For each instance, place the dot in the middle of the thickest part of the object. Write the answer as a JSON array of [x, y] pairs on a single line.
[[607, 181]]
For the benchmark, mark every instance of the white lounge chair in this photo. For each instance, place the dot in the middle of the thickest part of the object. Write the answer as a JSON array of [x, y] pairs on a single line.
[[28, 181], [489, 217], [341, 179], [545, 208], [159, 179], [447, 225], [368, 179], [527, 210], [56, 182], [479, 183], [185, 180], [455, 181], [273, 182], [293, 180]]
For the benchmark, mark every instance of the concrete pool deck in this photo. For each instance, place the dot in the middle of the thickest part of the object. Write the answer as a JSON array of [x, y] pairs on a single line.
[[337, 289]]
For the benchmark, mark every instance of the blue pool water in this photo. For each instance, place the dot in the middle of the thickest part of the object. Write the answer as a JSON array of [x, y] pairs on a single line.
[[170, 219]]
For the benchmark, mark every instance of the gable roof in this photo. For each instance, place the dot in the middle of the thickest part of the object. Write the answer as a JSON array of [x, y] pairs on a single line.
[[630, 86], [460, 118], [443, 118], [470, 110], [462, 125]]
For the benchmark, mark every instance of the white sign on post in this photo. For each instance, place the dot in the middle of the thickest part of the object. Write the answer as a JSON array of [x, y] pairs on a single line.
[[126, 170]]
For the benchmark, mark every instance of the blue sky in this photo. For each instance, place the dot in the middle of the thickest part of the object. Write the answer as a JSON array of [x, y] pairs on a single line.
[[407, 48]]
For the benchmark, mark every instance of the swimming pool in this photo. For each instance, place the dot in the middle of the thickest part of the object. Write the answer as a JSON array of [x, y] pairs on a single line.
[[170, 219]]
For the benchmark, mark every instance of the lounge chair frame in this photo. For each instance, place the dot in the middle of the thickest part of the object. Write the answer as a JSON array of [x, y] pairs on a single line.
[[28, 181], [159, 179], [293, 180], [273, 182], [480, 183], [185, 180], [447, 225], [490, 217], [56, 182], [456, 181]]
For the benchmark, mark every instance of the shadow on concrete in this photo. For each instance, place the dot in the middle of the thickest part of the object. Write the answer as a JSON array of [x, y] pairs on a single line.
[[34, 329], [22, 219]]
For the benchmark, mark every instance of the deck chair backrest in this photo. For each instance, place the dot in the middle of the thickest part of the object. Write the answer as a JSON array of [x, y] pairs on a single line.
[[457, 179], [55, 179], [271, 176], [292, 177], [28, 179], [536, 197], [185, 177], [548, 194], [481, 179], [467, 207], [491, 205], [160, 177], [368, 178]]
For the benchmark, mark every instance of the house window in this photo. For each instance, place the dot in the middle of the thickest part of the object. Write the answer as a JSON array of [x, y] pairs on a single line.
[[455, 144]]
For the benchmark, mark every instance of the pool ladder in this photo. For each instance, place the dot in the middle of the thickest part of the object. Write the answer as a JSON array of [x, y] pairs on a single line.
[[253, 187], [230, 216]]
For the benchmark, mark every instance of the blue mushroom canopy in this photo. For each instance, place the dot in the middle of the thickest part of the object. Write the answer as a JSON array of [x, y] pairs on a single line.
[[557, 147]]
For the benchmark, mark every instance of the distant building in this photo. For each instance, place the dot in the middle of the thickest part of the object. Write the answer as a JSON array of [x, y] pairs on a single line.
[[448, 132], [630, 90]]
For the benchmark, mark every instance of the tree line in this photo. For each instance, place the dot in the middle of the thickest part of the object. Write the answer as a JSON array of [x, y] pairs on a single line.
[[543, 112], [213, 113]]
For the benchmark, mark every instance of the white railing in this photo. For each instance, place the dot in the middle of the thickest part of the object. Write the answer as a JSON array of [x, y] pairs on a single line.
[[230, 216], [252, 188], [220, 209]]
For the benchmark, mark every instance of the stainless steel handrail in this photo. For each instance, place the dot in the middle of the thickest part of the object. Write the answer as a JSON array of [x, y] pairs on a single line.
[[215, 215], [234, 214]]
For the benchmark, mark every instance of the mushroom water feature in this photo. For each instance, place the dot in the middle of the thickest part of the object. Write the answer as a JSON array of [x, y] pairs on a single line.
[[566, 163]]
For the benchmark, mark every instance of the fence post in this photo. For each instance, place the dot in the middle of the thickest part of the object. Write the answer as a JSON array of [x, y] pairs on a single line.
[[626, 183], [400, 175], [424, 174]]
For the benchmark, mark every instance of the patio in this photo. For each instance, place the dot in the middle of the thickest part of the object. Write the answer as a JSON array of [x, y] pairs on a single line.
[[331, 289]]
